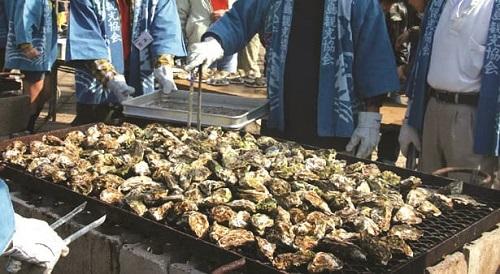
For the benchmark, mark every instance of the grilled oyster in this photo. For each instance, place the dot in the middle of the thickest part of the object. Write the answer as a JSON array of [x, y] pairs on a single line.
[[282, 232], [240, 220], [267, 206], [222, 173], [14, 153], [111, 196], [107, 181], [429, 209], [304, 228], [382, 215], [278, 187], [406, 232], [209, 186], [197, 223], [184, 206], [137, 206], [297, 215], [286, 261], [343, 249], [324, 262], [417, 196], [266, 248], [161, 212], [316, 201], [397, 244], [441, 201], [142, 169], [411, 182], [282, 215], [260, 222], [292, 200], [252, 195], [407, 215], [341, 235], [305, 242], [245, 205], [222, 214], [465, 200], [219, 197], [377, 249], [82, 183], [236, 238], [218, 231], [367, 225]]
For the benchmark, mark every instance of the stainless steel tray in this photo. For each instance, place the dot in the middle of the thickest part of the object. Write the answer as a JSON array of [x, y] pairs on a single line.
[[226, 111]]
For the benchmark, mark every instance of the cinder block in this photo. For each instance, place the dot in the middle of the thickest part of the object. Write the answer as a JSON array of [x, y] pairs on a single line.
[[452, 264], [134, 258], [483, 254], [179, 268]]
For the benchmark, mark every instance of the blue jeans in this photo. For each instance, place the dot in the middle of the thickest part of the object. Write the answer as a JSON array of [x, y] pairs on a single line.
[[227, 63]]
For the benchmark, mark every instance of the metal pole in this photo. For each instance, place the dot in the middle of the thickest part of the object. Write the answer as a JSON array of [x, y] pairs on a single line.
[[190, 100], [200, 71]]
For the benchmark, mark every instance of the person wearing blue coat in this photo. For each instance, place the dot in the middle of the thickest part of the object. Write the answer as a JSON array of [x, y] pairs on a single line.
[[27, 240], [329, 63], [122, 46], [32, 47]]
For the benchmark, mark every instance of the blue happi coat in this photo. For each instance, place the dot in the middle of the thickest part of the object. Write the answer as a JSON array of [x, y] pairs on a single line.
[[95, 33], [31, 21], [487, 131], [4, 25], [7, 225], [357, 61]]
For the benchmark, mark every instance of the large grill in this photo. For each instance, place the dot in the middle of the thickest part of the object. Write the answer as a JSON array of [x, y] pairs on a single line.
[[442, 235]]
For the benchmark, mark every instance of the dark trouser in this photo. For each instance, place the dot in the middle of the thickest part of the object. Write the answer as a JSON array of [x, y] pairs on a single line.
[[388, 147], [88, 114]]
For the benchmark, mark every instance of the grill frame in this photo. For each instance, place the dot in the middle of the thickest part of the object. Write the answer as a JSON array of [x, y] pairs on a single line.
[[443, 242]]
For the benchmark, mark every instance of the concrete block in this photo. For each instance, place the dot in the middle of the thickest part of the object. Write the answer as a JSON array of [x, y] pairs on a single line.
[[451, 264], [134, 258], [483, 254], [179, 268]]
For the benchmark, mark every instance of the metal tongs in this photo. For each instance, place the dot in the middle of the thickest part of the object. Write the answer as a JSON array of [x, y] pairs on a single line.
[[15, 266], [192, 78]]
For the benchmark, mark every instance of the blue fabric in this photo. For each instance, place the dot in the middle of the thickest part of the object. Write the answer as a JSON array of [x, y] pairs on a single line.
[[487, 131], [227, 63], [357, 61], [95, 33], [7, 225], [4, 24], [31, 21]]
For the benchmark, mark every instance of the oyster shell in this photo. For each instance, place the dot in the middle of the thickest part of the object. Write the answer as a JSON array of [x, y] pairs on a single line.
[[240, 220], [278, 187], [324, 262], [407, 215], [399, 245], [316, 201], [219, 197], [266, 248], [267, 206], [378, 250], [286, 261], [305, 242], [235, 238], [197, 223], [406, 232], [222, 214], [343, 249], [218, 231], [297, 215], [245, 205], [161, 212], [429, 209], [417, 196], [260, 222], [111, 196]]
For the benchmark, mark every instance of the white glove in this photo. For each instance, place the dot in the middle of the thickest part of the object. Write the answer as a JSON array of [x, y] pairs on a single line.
[[408, 135], [366, 135], [36, 243], [118, 86], [165, 76], [206, 53]]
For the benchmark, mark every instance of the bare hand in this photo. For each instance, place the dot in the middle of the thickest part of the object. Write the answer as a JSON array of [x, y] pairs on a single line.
[[31, 53], [217, 14]]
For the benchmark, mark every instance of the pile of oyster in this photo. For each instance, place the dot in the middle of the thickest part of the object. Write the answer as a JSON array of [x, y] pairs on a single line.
[[295, 207]]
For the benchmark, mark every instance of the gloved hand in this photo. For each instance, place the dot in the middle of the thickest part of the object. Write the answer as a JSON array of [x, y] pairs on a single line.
[[408, 135], [366, 135], [165, 77], [118, 86], [36, 243], [206, 52]]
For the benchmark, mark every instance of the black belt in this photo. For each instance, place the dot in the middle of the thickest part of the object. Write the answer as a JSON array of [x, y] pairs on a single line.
[[457, 98]]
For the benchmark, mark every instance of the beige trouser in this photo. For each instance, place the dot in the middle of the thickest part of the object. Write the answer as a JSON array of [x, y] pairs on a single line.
[[448, 140], [249, 56]]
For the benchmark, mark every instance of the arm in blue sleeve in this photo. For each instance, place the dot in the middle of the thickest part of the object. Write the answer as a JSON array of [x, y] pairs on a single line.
[[166, 30], [85, 36], [7, 224], [374, 70], [240, 24], [27, 16]]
